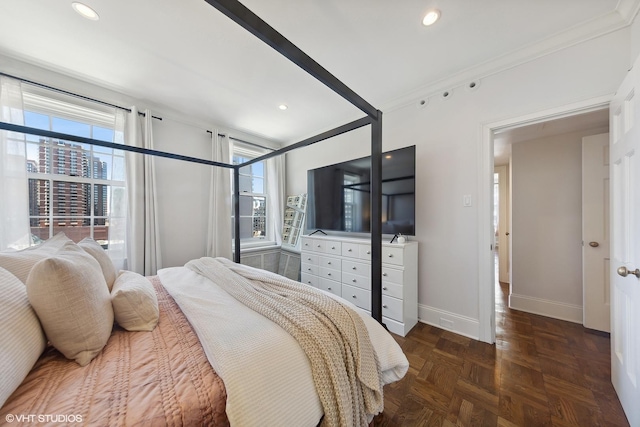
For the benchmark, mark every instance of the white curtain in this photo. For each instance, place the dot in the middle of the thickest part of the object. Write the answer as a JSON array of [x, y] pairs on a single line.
[[219, 230], [276, 191], [143, 249], [14, 187], [118, 210]]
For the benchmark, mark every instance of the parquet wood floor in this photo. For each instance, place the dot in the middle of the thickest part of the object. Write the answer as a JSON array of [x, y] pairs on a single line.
[[540, 372]]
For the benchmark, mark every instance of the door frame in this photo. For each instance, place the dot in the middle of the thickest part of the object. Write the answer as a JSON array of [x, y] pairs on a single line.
[[486, 261]]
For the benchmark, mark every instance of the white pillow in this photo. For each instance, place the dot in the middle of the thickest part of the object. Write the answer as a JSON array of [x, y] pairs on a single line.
[[19, 263], [72, 301], [21, 336], [135, 304], [94, 249]]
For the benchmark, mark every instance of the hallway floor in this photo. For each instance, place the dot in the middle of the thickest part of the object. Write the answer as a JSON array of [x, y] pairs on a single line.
[[540, 372]]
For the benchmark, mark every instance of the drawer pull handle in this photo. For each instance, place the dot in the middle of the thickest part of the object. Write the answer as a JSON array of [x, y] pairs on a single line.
[[390, 255], [329, 263], [353, 268], [368, 252], [309, 269], [309, 281], [329, 288], [353, 280], [385, 288], [333, 247], [385, 306], [328, 274], [353, 296], [384, 274], [350, 250], [318, 246]]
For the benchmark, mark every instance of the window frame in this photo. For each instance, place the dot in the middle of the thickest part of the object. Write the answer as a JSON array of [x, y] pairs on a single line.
[[71, 156], [249, 152]]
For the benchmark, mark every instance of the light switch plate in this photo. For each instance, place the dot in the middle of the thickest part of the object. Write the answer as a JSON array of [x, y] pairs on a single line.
[[466, 200]]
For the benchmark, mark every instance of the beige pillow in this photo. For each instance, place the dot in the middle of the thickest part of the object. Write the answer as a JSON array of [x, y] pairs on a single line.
[[94, 249], [70, 297], [135, 304], [21, 337], [19, 263]]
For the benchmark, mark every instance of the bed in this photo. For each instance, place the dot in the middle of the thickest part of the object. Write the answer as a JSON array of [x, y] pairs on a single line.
[[192, 353], [100, 384]]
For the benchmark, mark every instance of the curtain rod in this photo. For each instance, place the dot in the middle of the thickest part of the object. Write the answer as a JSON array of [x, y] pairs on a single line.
[[244, 142], [66, 92]]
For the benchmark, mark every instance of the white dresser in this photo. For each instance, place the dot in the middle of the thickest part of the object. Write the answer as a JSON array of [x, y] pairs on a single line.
[[342, 266]]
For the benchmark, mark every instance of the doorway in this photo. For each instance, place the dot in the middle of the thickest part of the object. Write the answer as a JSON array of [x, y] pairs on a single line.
[[498, 141]]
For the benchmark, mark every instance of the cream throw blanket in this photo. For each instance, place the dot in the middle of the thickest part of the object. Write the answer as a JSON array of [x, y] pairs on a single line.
[[344, 366]]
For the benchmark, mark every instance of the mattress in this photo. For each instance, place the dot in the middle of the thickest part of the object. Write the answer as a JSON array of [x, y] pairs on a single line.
[[161, 377]]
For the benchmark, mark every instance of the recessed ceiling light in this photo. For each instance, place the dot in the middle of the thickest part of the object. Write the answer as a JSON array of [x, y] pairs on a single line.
[[85, 11], [283, 106], [388, 156], [431, 17]]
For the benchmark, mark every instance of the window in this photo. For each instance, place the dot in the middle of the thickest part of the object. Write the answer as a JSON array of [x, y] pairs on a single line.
[[253, 195], [73, 187]]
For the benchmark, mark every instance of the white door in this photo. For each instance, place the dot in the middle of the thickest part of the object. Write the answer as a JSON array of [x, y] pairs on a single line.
[[503, 224], [625, 240], [596, 310]]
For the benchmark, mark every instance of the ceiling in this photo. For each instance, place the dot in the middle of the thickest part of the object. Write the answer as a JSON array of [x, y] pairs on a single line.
[[187, 55]]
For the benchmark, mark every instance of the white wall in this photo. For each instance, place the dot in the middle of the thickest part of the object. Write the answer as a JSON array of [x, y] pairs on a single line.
[[547, 226], [448, 137]]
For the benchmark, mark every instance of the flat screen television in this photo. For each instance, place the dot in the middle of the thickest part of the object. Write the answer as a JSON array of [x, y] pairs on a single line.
[[339, 199]]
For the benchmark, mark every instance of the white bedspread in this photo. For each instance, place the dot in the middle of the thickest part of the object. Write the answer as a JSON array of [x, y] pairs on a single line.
[[267, 376]]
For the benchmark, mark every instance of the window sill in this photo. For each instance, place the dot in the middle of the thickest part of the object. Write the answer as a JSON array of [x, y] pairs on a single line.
[[258, 246]]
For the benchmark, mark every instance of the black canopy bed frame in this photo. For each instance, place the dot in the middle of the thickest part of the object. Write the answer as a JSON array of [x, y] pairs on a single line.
[[252, 23]]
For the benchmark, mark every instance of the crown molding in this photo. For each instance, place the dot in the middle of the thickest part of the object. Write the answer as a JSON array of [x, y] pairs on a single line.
[[615, 20]]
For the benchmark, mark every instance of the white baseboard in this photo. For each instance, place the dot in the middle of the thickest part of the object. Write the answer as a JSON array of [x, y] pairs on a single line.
[[543, 307], [461, 325]]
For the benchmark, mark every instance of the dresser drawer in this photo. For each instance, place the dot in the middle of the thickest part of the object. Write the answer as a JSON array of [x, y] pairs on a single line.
[[310, 279], [358, 296], [330, 286], [356, 250], [333, 247], [364, 252], [309, 268], [350, 250], [392, 290], [355, 267], [333, 263], [356, 280], [330, 273], [315, 245], [308, 258], [391, 255], [392, 275], [392, 308]]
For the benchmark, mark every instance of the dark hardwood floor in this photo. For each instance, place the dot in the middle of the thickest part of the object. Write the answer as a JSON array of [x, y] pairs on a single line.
[[540, 372]]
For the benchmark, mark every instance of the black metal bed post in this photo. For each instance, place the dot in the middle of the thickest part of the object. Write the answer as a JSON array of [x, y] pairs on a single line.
[[236, 213], [376, 218]]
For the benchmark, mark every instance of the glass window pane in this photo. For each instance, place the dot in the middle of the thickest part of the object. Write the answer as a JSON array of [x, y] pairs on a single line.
[[103, 134], [100, 166], [100, 200], [245, 184], [76, 228], [36, 120], [70, 198], [257, 169], [117, 171], [257, 185], [70, 127]]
